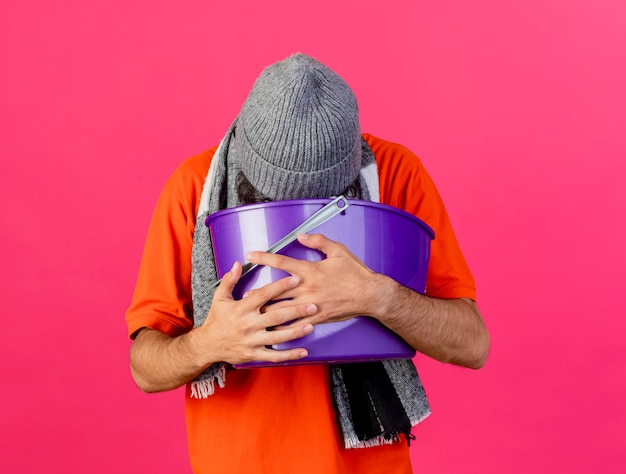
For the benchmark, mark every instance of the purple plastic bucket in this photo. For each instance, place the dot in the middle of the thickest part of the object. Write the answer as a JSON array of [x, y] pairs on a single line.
[[386, 239]]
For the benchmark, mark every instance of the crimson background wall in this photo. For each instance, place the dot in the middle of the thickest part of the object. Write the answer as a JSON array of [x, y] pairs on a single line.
[[516, 108]]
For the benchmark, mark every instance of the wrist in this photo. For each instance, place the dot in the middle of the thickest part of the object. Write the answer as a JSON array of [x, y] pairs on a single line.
[[195, 352], [396, 302], [383, 297]]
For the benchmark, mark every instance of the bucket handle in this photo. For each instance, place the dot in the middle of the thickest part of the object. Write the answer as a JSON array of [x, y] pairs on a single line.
[[330, 210]]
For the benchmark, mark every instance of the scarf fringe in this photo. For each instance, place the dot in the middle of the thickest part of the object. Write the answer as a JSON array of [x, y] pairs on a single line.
[[353, 442], [206, 387]]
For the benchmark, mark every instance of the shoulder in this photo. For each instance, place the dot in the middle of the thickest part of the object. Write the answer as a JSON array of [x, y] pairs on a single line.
[[385, 148], [192, 169], [187, 180], [394, 161], [399, 170]]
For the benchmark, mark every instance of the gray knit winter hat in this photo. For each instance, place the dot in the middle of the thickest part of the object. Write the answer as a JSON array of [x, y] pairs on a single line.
[[298, 135]]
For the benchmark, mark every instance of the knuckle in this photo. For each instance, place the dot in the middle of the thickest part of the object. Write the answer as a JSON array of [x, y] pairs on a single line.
[[263, 294], [299, 312], [341, 246]]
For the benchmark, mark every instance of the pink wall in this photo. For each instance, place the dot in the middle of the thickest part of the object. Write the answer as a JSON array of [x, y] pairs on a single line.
[[518, 110]]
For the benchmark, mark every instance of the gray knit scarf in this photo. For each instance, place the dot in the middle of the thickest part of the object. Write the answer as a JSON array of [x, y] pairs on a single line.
[[374, 402]]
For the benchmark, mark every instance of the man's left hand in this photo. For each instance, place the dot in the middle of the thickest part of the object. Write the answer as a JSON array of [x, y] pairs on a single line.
[[341, 286]]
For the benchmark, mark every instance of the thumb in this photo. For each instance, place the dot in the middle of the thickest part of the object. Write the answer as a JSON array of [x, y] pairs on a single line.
[[229, 280]]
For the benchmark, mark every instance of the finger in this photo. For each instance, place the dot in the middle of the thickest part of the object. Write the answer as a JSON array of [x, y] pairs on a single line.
[[320, 242], [229, 280], [282, 318], [281, 334], [285, 301], [276, 356], [272, 336], [272, 291], [280, 262], [330, 248]]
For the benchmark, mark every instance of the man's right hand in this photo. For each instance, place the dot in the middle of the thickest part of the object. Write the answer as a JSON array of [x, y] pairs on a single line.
[[235, 331]]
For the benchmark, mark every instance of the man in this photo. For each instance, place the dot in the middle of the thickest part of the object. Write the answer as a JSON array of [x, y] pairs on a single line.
[[296, 137]]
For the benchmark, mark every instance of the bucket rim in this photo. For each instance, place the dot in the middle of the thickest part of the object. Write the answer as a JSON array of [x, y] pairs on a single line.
[[321, 202]]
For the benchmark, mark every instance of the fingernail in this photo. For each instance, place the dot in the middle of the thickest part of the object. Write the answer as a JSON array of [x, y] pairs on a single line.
[[303, 236], [310, 309], [294, 280], [303, 354], [307, 329]]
